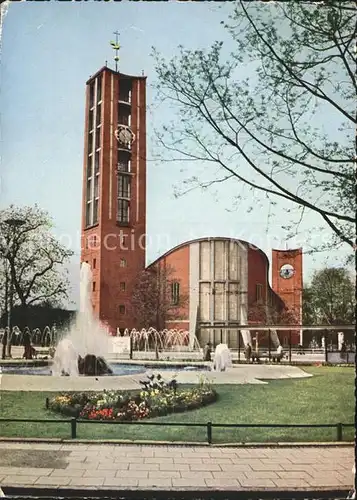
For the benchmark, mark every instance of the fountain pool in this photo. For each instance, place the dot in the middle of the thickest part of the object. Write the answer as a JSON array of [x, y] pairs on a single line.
[[117, 368]]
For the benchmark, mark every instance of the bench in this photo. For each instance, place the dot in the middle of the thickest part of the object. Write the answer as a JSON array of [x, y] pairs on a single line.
[[274, 357]]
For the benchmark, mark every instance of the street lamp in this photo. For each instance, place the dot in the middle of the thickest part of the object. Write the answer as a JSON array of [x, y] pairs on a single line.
[[14, 224]]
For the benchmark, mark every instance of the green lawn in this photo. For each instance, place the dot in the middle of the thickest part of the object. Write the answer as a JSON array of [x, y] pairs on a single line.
[[327, 397]]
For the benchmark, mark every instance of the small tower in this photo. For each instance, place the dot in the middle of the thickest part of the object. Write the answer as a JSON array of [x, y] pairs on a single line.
[[287, 281], [114, 190]]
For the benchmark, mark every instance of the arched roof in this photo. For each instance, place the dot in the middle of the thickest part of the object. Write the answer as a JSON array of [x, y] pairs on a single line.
[[209, 238], [217, 238]]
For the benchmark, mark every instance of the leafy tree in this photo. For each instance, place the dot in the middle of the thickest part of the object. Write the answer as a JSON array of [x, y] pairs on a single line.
[[32, 258], [40, 316], [308, 315], [152, 304], [269, 131], [272, 315], [329, 299]]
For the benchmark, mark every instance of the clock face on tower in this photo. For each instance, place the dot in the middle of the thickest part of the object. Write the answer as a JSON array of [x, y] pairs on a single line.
[[124, 134], [287, 271]]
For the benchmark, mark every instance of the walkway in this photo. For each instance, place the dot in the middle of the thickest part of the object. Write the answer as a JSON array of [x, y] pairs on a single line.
[[241, 374], [112, 466]]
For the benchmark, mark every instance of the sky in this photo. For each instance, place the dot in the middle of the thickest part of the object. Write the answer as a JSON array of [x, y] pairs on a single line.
[[49, 50]]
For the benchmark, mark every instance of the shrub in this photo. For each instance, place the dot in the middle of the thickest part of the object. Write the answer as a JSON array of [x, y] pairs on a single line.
[[156, 398]]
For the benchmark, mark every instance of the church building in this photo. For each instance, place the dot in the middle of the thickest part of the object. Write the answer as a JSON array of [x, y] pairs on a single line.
[[225, 281]]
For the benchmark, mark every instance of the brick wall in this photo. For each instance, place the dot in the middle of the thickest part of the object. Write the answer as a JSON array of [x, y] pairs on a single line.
[[118, 243], [177, 265]]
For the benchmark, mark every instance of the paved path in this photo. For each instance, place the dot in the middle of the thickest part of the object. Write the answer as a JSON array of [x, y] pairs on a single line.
[[175, 467], [241, 374]]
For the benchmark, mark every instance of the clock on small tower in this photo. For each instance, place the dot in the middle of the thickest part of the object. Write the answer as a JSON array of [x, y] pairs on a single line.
[[124, 135], [287, 271]]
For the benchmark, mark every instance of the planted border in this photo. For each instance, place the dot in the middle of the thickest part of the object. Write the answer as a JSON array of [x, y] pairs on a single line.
[[157, 398]]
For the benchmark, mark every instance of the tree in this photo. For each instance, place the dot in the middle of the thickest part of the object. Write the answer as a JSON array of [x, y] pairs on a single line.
[[271, 315], [32, 258], [268, 131], [153, 300], [329, 299]]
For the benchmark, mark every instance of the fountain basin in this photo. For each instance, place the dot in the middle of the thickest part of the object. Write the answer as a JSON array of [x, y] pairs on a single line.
[[118, 369]]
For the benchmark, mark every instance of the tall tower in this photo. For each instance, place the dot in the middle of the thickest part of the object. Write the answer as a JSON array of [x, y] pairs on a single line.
[[114, 191], [287, 280]]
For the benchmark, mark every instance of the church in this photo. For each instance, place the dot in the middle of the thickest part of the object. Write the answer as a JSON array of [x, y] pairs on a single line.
[[225, 281]]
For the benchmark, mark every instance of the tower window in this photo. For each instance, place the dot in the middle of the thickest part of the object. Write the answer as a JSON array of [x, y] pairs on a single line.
[[90, 141], [96, 186], [95, 211], [123, 197], [89, 188], [122, 309], [123, 211], [91, 95], [124, 166], [123, 116], [259, 292], [122, 263], [98, 119], [123, 186], [93, 286], [125, 90], [89, 166], [97, 139], [91, 120], [94, 263], [123, 161], [175, 293], [96, 161], [99, 88], [89, 213], [122, 286]]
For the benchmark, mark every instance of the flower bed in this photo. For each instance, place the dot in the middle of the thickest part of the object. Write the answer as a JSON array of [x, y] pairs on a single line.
[[156, 398]]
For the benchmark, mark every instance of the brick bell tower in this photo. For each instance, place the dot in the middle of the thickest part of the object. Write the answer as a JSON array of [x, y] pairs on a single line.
[[114, 191], [287, 280]]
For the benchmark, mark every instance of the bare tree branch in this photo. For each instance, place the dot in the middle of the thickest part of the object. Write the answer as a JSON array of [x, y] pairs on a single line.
[[272, 122]]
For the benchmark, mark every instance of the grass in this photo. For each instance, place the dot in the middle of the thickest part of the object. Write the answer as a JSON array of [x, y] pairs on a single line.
[[325, 398]]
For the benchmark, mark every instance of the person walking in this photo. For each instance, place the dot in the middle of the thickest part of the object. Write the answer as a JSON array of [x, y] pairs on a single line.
[[4, 342], [27, 345], [248, 352], [207, 350], [280, 353]]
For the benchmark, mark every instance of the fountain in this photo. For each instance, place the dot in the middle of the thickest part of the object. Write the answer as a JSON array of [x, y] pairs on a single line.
[[65, 360], [340, 340], [83, 350], [164, 340], [222, 358]]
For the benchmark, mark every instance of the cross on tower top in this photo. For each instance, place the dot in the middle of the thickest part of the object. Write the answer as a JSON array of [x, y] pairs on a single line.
[[116, 46]]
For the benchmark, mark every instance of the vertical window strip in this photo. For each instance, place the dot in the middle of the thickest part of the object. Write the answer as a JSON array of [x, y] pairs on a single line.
[[175, 293], [93, 155], [123, 197]]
